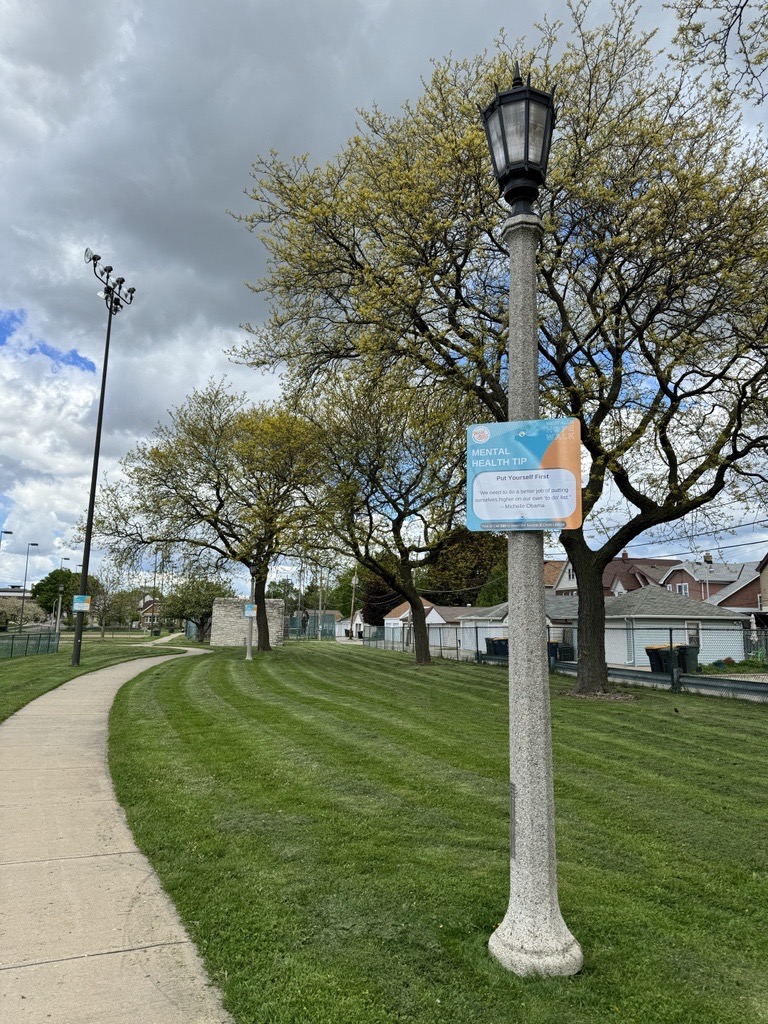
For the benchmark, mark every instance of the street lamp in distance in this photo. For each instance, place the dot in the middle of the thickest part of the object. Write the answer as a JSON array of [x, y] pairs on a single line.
[[32, 544], [533, 937]]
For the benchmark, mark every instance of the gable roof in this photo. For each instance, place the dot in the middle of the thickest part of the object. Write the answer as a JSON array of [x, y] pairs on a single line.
[[715, 572], [733, 588], [660, 603], [645, 603]]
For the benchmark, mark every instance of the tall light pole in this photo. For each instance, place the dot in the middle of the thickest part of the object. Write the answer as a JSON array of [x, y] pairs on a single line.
[[533, 937], [61, 564], [60, 589], [32, 544], [5, 533], [115, 297]]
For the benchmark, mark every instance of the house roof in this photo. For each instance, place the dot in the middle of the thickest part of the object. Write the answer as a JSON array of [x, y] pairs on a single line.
[[645, 603], [733, 588], [715, 572], [552, 570], [448, 613], [660, 603], [631, 572]]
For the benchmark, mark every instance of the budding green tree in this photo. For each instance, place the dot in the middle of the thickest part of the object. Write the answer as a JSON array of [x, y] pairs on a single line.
[[653, 274]]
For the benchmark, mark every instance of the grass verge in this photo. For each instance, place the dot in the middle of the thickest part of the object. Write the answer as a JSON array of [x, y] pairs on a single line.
[[24, 679], [333, 826]]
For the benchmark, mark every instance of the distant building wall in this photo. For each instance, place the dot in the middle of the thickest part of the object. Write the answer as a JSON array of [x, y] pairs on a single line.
[[229, 626]]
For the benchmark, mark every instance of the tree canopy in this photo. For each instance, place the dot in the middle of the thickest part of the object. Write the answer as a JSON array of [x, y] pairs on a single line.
[[222, 479], [652, 274], [392, 494]]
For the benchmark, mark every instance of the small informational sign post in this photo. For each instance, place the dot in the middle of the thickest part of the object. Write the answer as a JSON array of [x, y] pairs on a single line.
[[81, 603], [250, 611], [524, 475]]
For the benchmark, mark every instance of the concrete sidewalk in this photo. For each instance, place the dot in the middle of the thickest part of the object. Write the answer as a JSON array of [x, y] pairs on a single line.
[[87, 935]]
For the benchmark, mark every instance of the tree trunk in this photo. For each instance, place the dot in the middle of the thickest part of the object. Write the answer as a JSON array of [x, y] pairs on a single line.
[[592, 674], [262, 624], [420, 631]]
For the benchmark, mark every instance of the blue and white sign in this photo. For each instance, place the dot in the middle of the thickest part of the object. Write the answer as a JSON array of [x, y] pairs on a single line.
[[81, 603], [524, 475], [250, 611]]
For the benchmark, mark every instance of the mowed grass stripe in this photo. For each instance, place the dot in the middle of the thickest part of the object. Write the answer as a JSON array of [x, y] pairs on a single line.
[[303, 811]]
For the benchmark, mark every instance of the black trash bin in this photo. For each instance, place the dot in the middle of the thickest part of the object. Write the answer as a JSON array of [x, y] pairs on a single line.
[[552, 646], [490, 645], [668, 659], [654, 657], [502, 646]]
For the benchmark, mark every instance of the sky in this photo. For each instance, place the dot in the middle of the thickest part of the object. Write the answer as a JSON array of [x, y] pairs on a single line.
[[131, 129]]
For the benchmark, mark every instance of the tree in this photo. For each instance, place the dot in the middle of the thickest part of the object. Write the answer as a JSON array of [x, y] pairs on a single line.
[[110, 602], [192, 599], [393, 493], [652, 275], [46, 590], [222, 479], [462, 567], [731, 36]]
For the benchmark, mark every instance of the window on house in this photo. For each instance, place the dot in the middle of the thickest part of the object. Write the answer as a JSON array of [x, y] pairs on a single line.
[[669, 586], [693, 632], [571, 574], [759, 602], [682, 588]]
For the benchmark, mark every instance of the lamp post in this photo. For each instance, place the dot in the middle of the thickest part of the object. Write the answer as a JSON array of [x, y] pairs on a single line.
[[32, 544], [115, 297], [61, 564], [352, 608], [60, 589], [5, 533], [533, 937]]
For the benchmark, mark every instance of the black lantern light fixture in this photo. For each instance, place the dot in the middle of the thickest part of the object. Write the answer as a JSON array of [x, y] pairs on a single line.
[[519, 124]]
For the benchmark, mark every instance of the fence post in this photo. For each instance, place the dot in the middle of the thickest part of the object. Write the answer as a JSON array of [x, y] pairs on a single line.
[[674, 671]]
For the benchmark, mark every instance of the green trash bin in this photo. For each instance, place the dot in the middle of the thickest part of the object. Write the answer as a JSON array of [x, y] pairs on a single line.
[[688, 658], [668, 657]]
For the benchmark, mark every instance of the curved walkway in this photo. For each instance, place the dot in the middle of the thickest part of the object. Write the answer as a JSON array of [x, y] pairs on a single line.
[[87, 935]]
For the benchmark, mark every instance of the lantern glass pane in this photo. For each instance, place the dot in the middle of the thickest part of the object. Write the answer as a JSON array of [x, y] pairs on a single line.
[[537, 133], [497, 142], [514, 128]]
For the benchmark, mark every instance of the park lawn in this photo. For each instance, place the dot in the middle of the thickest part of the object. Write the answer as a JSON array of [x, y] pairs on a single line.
[[24, 679], [332, 824]]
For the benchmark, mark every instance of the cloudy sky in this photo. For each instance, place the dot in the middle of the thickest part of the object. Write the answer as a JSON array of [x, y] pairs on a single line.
[[131, 129]]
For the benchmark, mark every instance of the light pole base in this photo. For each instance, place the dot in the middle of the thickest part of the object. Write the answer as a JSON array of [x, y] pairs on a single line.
[[544, 955]]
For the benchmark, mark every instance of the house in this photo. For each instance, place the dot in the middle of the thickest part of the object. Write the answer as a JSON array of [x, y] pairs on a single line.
[[357, 630], [707, 579], [620, 576], [445, 624], [648, 616], [149, 612]]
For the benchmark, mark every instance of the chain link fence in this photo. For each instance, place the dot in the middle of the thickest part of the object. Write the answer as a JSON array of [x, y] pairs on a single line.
[[19, 645], [730, 660]]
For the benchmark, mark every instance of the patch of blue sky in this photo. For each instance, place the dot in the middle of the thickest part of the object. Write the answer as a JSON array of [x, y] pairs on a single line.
[[59, 358], [10, 322]]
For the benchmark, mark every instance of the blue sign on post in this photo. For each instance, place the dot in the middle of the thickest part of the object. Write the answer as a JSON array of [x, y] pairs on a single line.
[[81, 603], [524, 475]]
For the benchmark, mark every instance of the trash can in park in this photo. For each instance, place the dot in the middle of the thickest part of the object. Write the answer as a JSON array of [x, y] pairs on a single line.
[[668, 658], [552, 646], [502, 646], [688, 658], [654, 657]]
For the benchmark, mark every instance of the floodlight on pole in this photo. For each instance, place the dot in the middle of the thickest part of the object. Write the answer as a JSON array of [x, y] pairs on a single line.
[[115, 297]]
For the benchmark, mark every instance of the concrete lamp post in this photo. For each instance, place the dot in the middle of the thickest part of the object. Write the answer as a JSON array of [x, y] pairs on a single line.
[[115, 296], [533, 937]]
